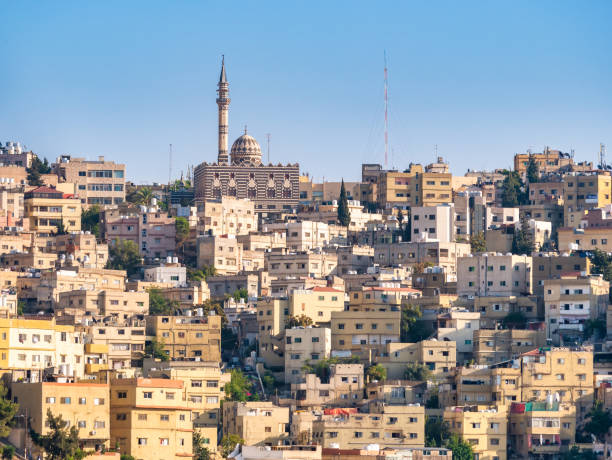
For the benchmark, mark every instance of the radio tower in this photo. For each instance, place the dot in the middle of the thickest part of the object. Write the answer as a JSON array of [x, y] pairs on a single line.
[[386, 113], [602, 156]]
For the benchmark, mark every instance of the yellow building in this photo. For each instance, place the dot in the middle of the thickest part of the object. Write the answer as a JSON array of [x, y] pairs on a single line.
[[125, 342], [565, 372], [485, 428], [202, 390], [122, 304], [496, 345], [222, 252], [582, 192], [541, 430], [36, 344], [150, 420], [391, 427], [585, 239], [46, 208], [226, 216], [439, 356], [484, 385], [188, 337], [259, 423], [414, 187], [83, 405]]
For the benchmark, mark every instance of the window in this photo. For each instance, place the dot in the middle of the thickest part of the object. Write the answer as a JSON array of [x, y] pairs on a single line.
[[358, 434], [121, 417], [65, 400], [142, 441], [121, 394], [164, 418], [142, 417], [82, 400], [50, 400], [147, 395], [82, 424], [99, 424]]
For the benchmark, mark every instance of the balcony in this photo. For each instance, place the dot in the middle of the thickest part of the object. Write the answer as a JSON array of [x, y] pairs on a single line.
[[96, 348], [93, 368]]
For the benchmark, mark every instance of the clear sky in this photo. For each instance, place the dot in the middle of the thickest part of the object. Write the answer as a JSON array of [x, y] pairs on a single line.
[[481, 80]]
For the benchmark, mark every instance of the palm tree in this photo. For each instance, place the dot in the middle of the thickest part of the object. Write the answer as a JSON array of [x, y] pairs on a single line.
[[144, 196]]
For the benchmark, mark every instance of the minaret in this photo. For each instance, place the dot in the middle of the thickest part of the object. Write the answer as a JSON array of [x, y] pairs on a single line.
[[223, 102]]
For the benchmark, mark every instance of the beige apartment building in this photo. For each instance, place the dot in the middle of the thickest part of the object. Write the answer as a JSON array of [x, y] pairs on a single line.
[[344, 388], [549, 161], [436, 253], [98, 182], [433, 223], [226, 216], [485, 428], [565, 372], [585, 239], [83, 405], [365, 330], [259, 423], [303, 236], [414, 187], [440, 357], [541, 430], [486, 385], [392, 427], [492, 274], [222, 252], [26, 260], [494, 309], [459, 327], [222, 285], [496, 345], [188, 337], [570, 302], [584, 191], [302, 346], [47, 208], [354, 258], [150, 421], [122, 304], [125, 342], [202, 389], [310, 264], [548, 266]]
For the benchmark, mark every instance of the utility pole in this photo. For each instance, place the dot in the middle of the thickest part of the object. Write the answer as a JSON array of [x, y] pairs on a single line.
[[386, 113]]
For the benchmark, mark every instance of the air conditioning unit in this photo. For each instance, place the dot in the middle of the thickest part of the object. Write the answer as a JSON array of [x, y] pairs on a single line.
[[92, 432]]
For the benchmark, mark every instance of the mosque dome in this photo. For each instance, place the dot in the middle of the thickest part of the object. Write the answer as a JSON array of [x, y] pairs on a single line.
[[246, 150]]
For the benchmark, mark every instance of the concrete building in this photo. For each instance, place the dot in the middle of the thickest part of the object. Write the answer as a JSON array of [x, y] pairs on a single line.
[[582, 192], [259, 423], [435, 223], [13, 153], [392, 427], [120, 304], [569, 302], [585, 239], [459, 327], [279, 453], [354, 259], [548, 266], [491, 274], [125, 342], [440, 357], [309, 264], [549, 161], [255, 284], [150, 418], [47, 208], [188, 337], [494, 309], [485, 428], [222, 252], [494, 345], [97, 182], [343, 388], [302, 346], [168, 273], [541, 430], [486, 385], [226, 216], [83, 405], [150, 228]]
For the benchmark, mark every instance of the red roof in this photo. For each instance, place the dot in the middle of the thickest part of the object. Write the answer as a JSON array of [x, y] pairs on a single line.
[[325, 289]]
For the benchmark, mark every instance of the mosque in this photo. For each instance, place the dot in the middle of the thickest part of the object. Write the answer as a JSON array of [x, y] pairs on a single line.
[[273, 188]]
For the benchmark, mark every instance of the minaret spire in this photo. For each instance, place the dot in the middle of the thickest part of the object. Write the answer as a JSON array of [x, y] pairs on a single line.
[[223, 102]]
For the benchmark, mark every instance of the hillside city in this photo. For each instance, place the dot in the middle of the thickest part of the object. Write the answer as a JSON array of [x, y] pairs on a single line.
[[246, 311]]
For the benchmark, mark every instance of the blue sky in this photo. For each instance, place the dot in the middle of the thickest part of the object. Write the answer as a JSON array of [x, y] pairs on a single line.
[[481, 80]]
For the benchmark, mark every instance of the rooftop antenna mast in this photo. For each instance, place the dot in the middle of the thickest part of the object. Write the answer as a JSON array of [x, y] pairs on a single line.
[[268, 137], [602, 156], [386, 112]]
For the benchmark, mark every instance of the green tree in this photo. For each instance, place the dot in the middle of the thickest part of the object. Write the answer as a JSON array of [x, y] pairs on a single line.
[[8, 410], [601, 264], [296, 321], [61, 442], [515, 320], [61, 230], [241, 293], [594, 328], [322, 368], [20, 307], [417, 372], [376, 372], [127, 457], [461, 449], [155, 349], [344, 215], [239, 388], [400, 218], [412, 328], [182, 232], [437, 432], [8, 452], [159, 305], [522, 243], [35, 170], [599, 421], [478, 243], [228, 444], [533, 171], [513, 193], [90, 220], [201, 275], [200, 451], [269, 382], [124, 255], [141, 196], [433, 401]]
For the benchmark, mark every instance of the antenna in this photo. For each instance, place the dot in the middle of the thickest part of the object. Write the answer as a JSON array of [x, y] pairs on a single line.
[[170, 166], [268, 137], [386, 112], [602, 156]]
